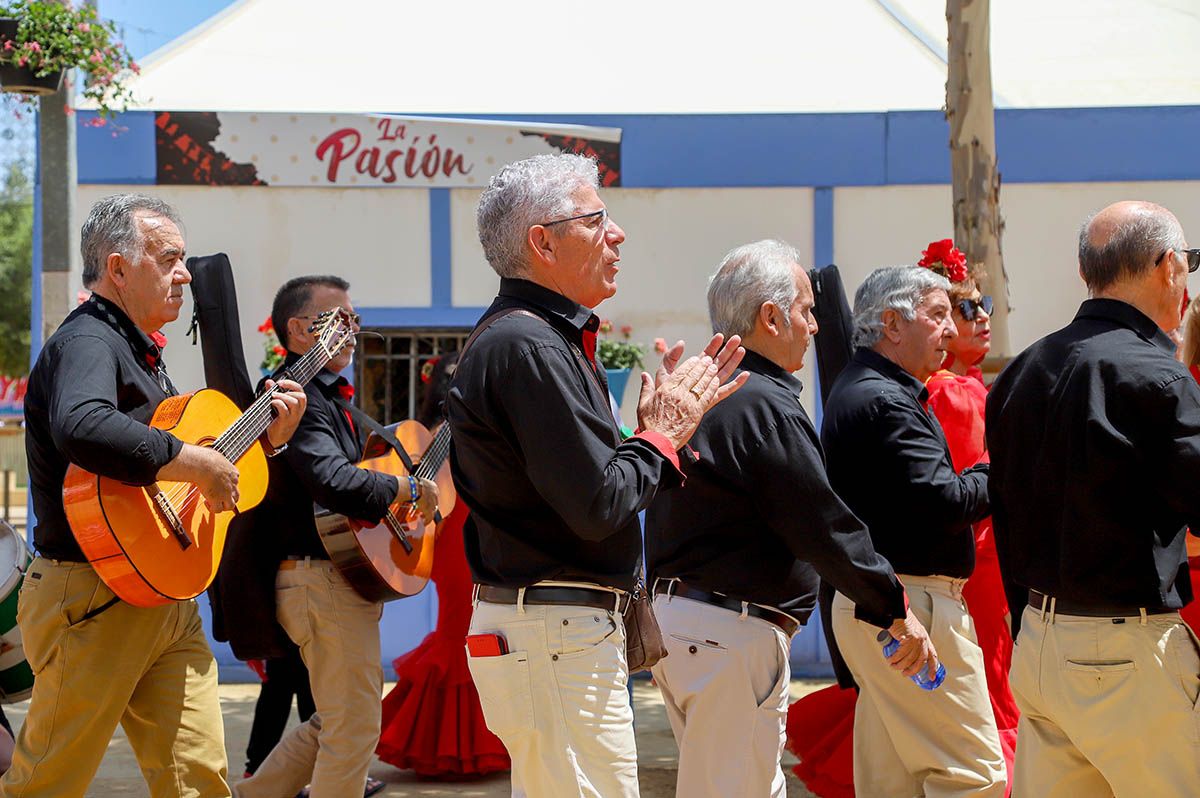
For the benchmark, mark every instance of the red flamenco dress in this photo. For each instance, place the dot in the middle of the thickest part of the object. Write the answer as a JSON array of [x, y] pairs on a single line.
[[432, 721], [1191, 613], [820, 726]]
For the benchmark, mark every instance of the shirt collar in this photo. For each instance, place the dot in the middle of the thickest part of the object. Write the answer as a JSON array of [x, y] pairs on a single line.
[[552, 302], [893, 371], [147, 346], [757, 364], [1126, 315], [325, 378]]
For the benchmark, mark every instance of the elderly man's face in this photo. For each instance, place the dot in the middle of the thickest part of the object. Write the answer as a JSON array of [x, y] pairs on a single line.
[[586, 255], [798, 334], [153, 281], [922, 344]]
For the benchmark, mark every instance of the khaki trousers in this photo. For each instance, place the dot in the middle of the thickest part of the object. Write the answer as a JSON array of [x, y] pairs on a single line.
[[913, 742], [725, 686], [148, 668], [559, 699], [338, 634], [1108, 707]]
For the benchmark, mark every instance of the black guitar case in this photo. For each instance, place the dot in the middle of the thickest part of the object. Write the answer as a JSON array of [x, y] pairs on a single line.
[[243, 593], [834, 349]]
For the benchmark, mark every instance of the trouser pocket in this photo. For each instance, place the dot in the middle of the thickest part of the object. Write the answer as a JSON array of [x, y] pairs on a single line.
[[504, 691]]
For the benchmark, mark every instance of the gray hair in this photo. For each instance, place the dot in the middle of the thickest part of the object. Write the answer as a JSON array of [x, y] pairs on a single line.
[[1131, 250], [899, 288], [523, 194], [111, 226], [748, 277]]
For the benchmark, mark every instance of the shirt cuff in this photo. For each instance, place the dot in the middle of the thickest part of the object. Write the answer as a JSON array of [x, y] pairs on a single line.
[[663, 445]]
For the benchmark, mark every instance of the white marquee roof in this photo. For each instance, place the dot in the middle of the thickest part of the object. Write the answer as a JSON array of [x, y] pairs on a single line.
[[664, 56]]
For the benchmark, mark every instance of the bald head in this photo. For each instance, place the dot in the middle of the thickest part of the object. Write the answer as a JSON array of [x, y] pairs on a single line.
[[1124, 241]]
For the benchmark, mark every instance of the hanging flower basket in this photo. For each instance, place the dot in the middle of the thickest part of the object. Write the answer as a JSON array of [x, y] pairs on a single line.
[[40, 41], [24, 79]]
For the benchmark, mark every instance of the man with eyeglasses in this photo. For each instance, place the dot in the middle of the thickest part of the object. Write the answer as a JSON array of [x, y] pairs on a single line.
[[1094, 433], [336, 629], [553, 540]]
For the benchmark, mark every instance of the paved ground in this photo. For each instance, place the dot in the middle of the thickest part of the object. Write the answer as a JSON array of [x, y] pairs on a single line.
[[657, 754]]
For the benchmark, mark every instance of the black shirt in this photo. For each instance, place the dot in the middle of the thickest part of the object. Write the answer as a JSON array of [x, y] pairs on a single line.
[[757, 513], [553, 492], [91, 394], [888, 459], [319, 467], [1094, 433]]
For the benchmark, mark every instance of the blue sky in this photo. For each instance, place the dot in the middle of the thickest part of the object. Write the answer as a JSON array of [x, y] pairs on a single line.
[[149, 24]]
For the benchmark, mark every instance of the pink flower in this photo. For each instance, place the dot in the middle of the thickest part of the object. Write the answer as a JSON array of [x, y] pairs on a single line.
[[22, 61], [606, 326], [137, 70], [84, 27], [34, 47], [8, 45], [95, 57], [626, 330], [660, 345]]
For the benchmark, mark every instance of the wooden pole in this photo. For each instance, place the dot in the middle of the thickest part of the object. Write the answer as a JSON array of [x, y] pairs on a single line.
[[976, 181]]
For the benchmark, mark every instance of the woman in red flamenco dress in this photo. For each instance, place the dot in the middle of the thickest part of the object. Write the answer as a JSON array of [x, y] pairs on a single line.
[[432, 721], [820, 726], [1189, 355]]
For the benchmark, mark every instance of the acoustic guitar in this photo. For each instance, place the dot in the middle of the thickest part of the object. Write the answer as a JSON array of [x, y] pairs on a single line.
[[392, 559], [159, 543]]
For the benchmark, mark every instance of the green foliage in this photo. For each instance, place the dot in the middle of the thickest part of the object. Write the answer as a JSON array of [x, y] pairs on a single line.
[[16, 270], [619, 354], [54, 37]]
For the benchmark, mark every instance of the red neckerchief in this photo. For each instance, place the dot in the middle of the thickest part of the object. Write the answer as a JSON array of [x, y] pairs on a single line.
[[154, 355], [346, 391]]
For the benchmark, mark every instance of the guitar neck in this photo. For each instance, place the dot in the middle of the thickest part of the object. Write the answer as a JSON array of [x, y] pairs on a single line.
[[241, 435], [435, 455]]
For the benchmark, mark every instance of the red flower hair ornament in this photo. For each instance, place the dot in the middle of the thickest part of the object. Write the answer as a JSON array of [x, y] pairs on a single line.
[[945, 259]]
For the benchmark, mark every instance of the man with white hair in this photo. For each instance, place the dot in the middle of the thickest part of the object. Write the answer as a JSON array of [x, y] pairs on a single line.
[[889, 461], [734, 555], [553, 541], [1095, 439]]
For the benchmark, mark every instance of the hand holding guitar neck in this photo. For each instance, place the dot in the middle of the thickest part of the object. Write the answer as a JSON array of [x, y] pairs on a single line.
[[287, 402]]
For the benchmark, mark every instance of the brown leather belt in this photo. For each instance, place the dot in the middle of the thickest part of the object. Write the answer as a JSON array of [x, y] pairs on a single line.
[[786, 622], [1038, 600], [571, 596]]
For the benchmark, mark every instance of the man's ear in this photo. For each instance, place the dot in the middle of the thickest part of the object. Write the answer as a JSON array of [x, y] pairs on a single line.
[[542, 244], [297, 328], [117, 269], [891, 324], [768, 317]]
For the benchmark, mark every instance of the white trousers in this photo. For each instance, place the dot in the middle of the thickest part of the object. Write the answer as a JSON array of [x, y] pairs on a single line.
[[725, 686], [909, 741], [558, 700]]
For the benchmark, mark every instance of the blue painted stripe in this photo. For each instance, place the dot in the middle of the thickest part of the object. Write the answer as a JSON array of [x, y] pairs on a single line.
[[433, 317], [440, 277], [900, 147]]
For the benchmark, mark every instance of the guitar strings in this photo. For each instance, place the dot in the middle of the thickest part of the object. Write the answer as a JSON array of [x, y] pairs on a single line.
[[241, 435]]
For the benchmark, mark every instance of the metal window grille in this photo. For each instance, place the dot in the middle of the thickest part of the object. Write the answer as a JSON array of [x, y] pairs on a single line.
[[388, 369]]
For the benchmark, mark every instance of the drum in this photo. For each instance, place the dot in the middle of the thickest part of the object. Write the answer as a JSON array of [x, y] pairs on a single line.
[[16, 679]]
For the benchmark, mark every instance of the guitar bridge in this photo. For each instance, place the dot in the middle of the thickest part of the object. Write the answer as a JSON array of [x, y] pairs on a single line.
[[169, 516], [398, 530]]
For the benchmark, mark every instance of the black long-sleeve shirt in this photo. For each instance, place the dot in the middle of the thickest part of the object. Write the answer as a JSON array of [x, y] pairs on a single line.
[[319, 467], [757, 519], [1094, 434], [553, 492], [888, 459], [91, 395]]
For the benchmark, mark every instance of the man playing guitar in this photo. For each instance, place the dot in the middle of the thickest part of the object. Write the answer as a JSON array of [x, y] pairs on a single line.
[[337, 630], [98, 660]]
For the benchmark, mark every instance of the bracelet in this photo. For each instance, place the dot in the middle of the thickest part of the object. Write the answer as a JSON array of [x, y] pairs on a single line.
[[413, 491]]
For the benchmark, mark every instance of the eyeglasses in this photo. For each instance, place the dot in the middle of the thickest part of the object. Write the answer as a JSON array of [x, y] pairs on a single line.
[[602, 213], [1192, 256], [969, 308], [353, 317]]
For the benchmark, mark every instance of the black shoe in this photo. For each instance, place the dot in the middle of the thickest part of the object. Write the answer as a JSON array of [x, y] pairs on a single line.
[[373, 786]]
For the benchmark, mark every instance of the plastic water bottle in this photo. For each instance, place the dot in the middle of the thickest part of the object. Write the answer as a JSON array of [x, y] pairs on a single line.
[[890, 646]]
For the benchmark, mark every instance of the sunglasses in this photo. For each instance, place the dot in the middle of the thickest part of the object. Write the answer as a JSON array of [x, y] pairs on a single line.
[[1192, 256], [969, 308], [353, 318]]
